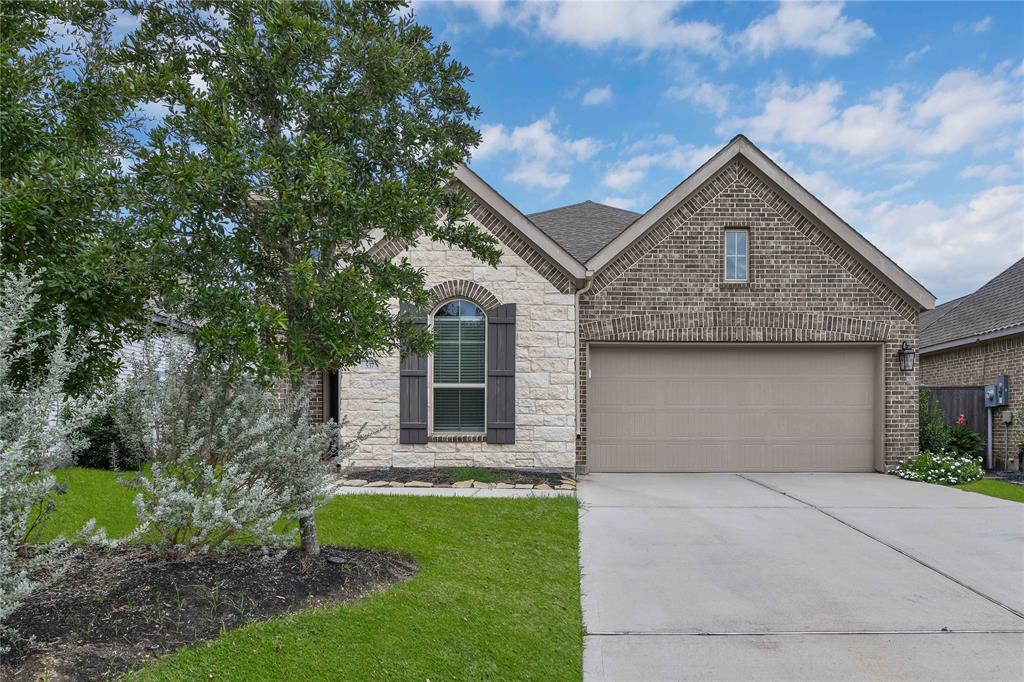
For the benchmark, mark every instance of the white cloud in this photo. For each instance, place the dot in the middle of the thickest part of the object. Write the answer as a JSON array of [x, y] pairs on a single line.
[[962, 108], [820, 27], [628, 203], [646, 25], [541, 157], [979, 26], [702, 93], [994, 173], [597, 96], [953, 249], [911, 57], [682, 159], [490, 12]]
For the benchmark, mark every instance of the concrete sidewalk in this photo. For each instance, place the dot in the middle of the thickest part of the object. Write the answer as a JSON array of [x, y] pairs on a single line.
[[798, 576], [492, 493]]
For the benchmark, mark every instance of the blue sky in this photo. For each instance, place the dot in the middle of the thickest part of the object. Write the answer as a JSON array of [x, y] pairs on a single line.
[[907, 119]]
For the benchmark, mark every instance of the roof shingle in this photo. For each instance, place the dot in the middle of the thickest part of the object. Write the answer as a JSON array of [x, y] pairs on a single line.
[[583, 229], [997, 305]]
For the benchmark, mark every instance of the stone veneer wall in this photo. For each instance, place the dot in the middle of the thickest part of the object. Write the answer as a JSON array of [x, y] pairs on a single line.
[[545, 364], [803, 287], [978, 365]]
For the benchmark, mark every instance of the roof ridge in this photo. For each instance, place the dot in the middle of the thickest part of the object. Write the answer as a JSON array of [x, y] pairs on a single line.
[[581, 203], [958, 301]]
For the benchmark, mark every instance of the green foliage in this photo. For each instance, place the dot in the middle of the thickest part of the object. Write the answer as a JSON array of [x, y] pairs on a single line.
[[40, 429], [229, 460], [497, 595], [963, 439], [942, 468], [1004, 490], [65, 130], [472, 474], [933, 434], [107, 448], [299, 132]]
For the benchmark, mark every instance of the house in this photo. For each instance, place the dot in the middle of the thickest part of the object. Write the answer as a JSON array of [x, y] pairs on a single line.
[[738, 324], [971, 340]]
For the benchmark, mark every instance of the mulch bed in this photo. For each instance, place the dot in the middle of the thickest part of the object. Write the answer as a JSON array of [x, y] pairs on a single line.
[[436, 476], [114, 610]]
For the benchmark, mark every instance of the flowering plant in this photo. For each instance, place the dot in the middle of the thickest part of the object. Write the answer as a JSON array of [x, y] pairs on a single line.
[[944, 468], [963, 439]]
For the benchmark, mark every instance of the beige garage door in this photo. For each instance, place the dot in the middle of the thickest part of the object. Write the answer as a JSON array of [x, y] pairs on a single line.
[[732, 408]]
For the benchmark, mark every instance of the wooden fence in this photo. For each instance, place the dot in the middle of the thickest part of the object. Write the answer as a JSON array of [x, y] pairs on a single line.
[[966, 400]]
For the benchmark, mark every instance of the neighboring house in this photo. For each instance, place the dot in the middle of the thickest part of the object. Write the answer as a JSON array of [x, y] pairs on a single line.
[[738, 324], [971, 340]]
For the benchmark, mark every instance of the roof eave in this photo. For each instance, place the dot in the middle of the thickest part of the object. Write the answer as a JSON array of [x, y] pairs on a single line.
[[867, 252], [972, 339], [530, 232]]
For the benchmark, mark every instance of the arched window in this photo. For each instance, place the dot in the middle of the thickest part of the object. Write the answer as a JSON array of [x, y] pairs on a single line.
[[459, 368]]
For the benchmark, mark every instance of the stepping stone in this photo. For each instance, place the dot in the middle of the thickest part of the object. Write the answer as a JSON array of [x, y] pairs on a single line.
[[481, 484], [504, 486], [354, 482], [376, 484], [565, 487], [419, 484], [463, 484], [524, 486], [395, 484], [542, 486]]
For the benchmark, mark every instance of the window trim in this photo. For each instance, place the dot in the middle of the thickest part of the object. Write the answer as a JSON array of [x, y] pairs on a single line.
[[726, 256], [430, 374]]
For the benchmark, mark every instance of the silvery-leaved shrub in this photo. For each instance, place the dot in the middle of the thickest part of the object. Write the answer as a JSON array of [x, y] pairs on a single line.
[[230, 460], [944, 468], [40, 429]]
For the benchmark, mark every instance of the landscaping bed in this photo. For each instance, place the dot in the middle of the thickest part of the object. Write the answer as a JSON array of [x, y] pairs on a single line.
[[114, 610], [446, 477]]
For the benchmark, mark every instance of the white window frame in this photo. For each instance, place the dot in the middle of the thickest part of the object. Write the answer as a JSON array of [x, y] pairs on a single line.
[[726, 256], [431, 385]]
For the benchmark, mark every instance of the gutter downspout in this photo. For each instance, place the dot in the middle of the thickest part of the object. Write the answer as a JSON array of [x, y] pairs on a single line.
[[576, 312]]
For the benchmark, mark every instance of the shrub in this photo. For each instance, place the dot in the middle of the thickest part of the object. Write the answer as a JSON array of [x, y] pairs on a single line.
[[230, 461], [107, 447], [942, 468], [933, 434], [963, 439], [40, 429]]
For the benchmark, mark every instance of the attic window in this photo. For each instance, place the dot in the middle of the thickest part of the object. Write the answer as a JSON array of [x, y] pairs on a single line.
[[736, 241]]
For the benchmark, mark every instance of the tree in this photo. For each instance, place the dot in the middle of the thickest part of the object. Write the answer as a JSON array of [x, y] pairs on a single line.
[[65, 129], [298, 134]]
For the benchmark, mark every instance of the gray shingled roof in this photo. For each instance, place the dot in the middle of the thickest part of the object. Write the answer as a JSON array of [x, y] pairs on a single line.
[[995, 306], [583, 229]]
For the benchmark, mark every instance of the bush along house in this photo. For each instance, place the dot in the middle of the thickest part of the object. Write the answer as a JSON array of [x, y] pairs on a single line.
[[738, 324], [974, 342]]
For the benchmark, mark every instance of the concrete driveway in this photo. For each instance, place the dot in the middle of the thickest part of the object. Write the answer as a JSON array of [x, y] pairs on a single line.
[[798, 576]]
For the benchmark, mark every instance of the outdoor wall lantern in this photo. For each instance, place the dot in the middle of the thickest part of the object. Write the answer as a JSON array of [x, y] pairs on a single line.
[[906, 354]]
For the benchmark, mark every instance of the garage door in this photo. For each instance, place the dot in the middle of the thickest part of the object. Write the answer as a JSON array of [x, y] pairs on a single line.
[[732, 408]]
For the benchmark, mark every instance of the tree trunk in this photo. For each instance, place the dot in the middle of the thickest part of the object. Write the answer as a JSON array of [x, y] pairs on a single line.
[[307, 524], [307, 531]]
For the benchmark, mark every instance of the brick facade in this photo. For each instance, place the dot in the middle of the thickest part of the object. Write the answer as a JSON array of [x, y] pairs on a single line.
[[978, 365], [803, 287]]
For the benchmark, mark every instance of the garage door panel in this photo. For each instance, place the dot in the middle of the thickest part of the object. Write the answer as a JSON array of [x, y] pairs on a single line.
[[684, 408]]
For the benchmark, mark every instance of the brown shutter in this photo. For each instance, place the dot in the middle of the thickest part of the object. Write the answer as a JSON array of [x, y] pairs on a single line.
[[412, 389], [501, 374]]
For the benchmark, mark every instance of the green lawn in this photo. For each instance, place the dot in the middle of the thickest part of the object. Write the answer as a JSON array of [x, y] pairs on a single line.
[[1001, 489], [497, 596]]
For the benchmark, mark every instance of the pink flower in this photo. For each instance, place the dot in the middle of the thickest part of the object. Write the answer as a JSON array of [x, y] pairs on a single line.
[[962, 421]]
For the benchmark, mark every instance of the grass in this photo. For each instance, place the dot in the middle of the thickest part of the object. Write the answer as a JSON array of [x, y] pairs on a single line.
[[472, 474], [497, 595], [1001, 489]]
